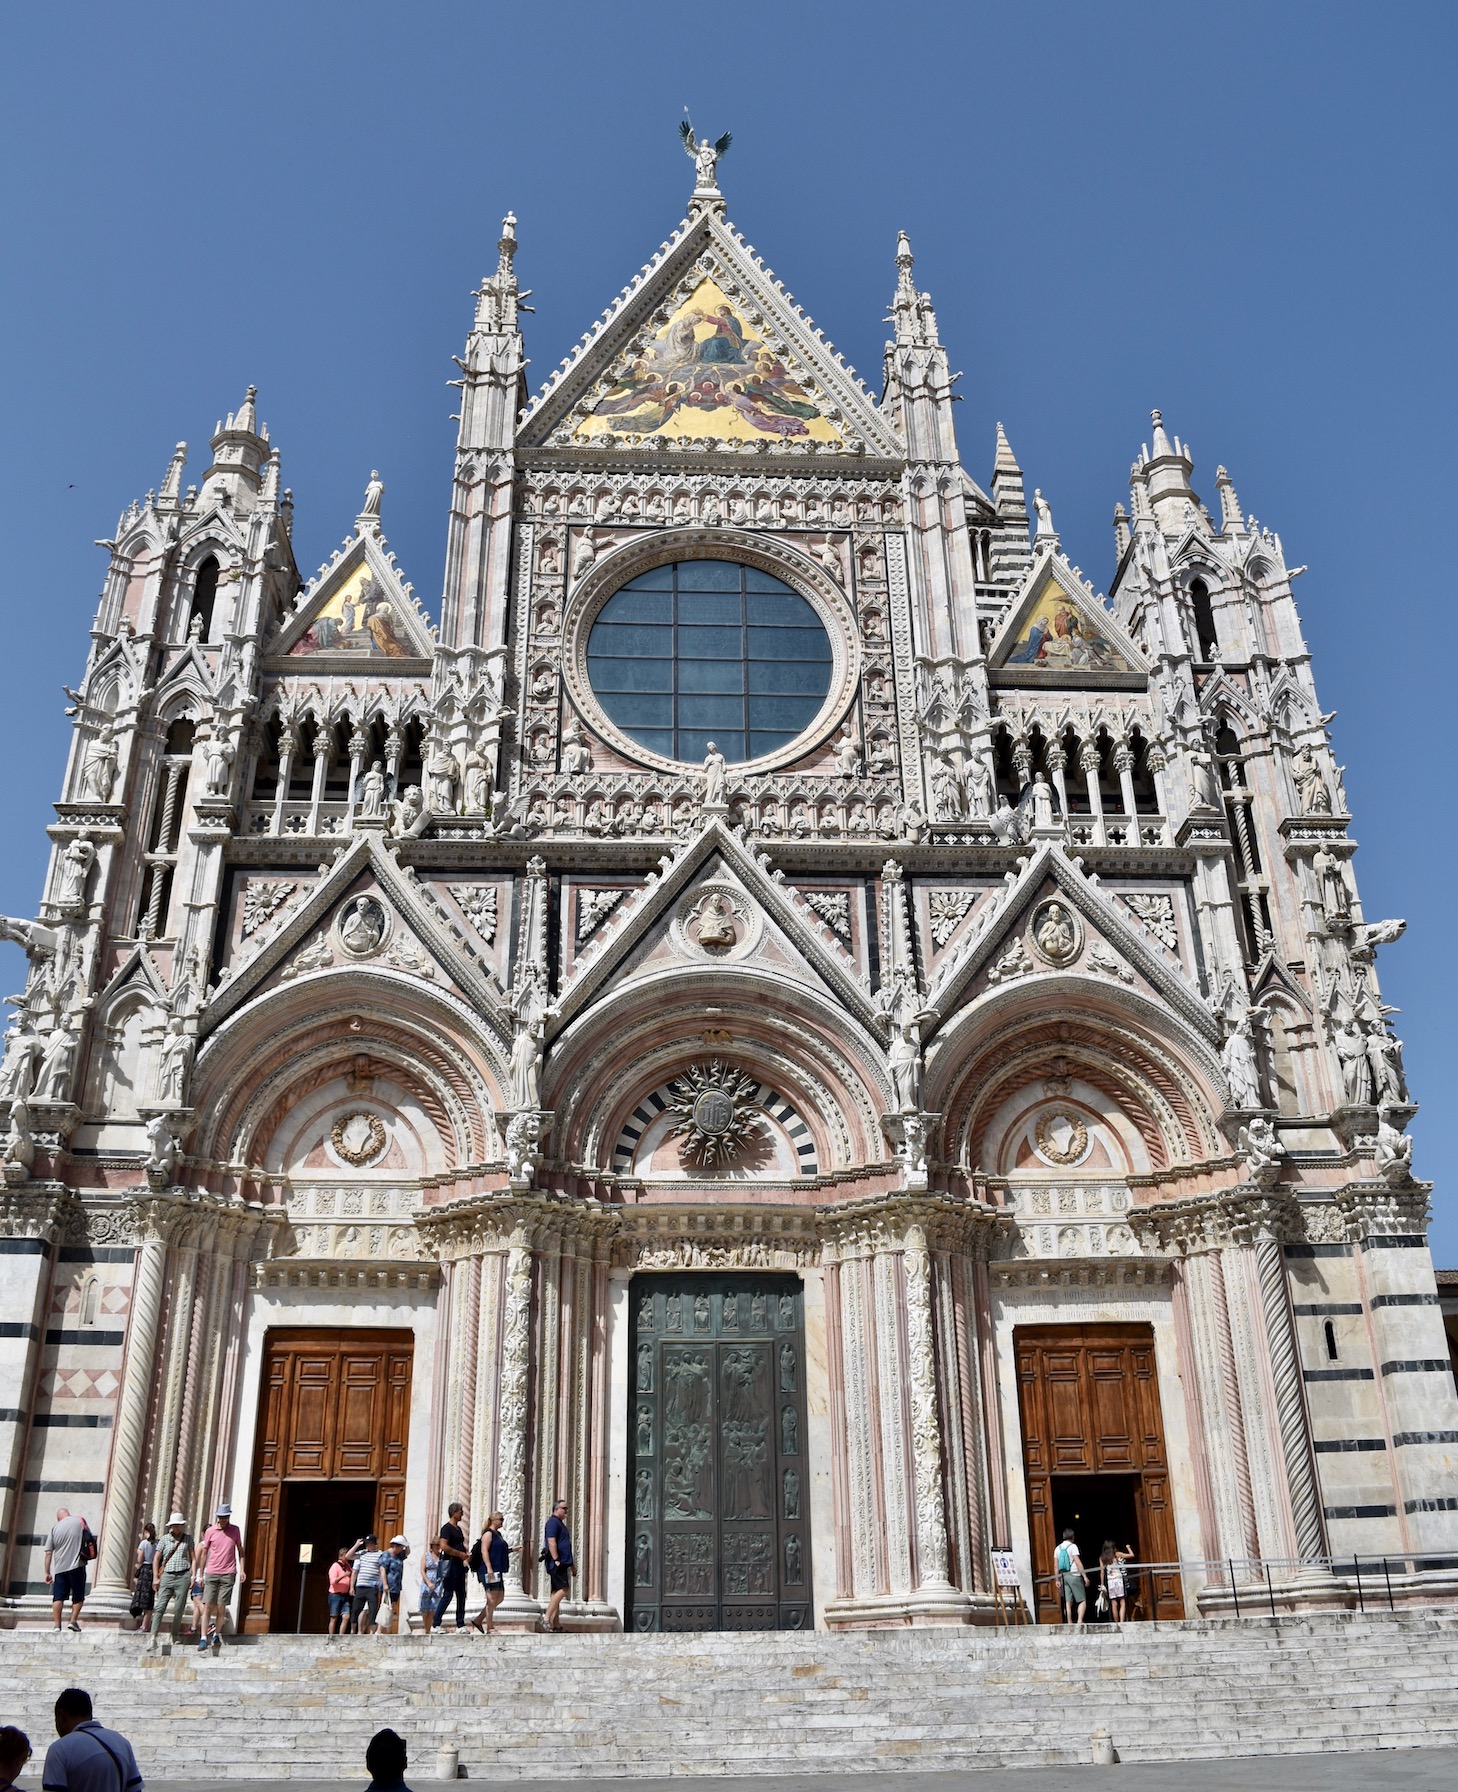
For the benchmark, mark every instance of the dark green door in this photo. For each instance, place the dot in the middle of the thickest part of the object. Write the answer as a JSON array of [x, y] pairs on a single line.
[[719, 1493]]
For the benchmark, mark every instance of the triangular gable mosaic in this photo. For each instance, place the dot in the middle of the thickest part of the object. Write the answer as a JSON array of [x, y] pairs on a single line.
[[705, 349], [358, 609], [1059, 633], [707, 374]]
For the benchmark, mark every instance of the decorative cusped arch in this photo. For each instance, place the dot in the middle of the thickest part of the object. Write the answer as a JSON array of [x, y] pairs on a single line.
[[1155, 1086], [826, 1071], [268, 1074]]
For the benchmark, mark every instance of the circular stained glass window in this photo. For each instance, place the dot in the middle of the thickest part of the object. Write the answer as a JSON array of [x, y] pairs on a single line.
[[709, 650]]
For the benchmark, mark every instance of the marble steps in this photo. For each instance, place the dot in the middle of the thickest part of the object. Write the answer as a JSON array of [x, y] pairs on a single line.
[[579, 1706]]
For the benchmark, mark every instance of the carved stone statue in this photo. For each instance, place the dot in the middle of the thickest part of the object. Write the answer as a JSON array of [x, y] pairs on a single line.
[[576, 754], [1042, 802], [58, 1061], [903, 1060], [979, 788], [584, 554], [17, 1072], [374, 492], [76, 863], [1335, 900], [704, 154], [1394, 1149], [408, 809], [715, 924], [19, 1152], [522, 1132], [1044, 515], [1262, 1148], [372, 794], [1384, 1057], [1351, 1050], [362, 927], [440, 778], [716, 778], [1312, 790], [1204, 780], [477, 784], [526, 1064], [947, 789], [1242, 1068], [1055, 933], [173, 1063], [848, 753], [219, 760], [98, 775], [162, 1149]]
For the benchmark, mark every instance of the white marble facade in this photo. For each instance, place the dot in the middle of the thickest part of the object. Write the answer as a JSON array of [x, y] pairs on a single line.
[[393, 973]]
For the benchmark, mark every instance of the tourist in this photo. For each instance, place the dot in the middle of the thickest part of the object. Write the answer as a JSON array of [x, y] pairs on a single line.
[[561, 1569], [14, 1753], [450, 1546], [85, 1757], [195, 1593], [1069, 1565], [385, 1762], [430, 1570], [367, 1583], [1114, 1581], [493, 1553], [173, 1568], [219, 1561], [65, 1565], [341, 1574], [143, 1589], [394, 1566]]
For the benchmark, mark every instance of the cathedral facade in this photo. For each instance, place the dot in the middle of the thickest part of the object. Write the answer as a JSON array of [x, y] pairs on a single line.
[[786, 1020]]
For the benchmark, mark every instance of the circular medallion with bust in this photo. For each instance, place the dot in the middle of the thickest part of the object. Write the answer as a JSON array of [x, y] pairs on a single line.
[[709, 653]]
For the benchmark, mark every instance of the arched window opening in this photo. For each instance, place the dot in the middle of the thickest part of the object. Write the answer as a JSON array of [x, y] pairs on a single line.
[[165, 830], [90, 1300], [412, 758], [1111, 789], [1207, 641], [204, 598], [1146, 797], [266, 767], [1005, 770], [1331, 1343]]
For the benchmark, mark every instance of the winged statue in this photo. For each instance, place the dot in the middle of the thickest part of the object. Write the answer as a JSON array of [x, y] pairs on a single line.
[[705, 154]]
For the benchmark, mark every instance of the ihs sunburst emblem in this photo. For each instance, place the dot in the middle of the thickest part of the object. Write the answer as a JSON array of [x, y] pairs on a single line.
[[713, 1113]]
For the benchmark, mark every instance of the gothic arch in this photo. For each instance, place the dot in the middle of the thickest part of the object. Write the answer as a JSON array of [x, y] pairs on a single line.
[[279, 1051], [1158, 1086], [806, 1049]]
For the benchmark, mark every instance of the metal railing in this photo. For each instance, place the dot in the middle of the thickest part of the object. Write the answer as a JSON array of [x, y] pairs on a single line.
[[1261, 1586]]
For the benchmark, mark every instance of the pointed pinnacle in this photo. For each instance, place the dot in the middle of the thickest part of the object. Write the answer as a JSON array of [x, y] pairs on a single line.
[[1005, 460], [1161, 441]]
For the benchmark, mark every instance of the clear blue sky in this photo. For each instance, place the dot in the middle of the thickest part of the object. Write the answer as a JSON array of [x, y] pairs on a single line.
[[1241, 213]]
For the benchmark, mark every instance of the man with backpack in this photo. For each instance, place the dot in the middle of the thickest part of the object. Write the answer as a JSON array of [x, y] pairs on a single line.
[[69, 1547], [1071, 1582]]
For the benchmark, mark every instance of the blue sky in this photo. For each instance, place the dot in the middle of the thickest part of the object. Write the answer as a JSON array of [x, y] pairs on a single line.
[[1242, 214]]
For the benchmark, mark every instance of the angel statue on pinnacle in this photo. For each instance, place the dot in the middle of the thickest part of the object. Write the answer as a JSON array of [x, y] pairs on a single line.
[[705, 154]]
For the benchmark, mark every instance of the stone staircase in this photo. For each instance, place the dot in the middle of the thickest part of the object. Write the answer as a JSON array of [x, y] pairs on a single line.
[[598, 1706]]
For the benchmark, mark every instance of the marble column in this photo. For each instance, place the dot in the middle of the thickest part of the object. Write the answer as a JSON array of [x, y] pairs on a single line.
[[518, 1607], [134, 1404]]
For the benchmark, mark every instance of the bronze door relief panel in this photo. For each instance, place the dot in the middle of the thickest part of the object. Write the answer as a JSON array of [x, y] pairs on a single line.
[[719, 1513]]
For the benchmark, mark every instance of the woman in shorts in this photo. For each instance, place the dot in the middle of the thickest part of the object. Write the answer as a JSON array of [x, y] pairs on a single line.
[[1115, 1581], [495, 1554], [340, 1573]]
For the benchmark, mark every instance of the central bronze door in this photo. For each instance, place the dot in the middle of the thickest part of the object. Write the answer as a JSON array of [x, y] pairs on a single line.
[[719, 1492]]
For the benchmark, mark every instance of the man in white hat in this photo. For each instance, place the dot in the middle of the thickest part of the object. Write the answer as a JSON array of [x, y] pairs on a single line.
[[174, 1576], [219, 1560]]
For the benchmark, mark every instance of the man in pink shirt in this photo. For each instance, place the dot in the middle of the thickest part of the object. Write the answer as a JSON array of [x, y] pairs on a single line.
[[219, 1562]]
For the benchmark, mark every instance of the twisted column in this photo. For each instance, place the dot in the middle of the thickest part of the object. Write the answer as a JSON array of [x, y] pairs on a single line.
[[114, 1569], [516, 1352], [1235, 1414], [926, 1430], [1290, 1406]]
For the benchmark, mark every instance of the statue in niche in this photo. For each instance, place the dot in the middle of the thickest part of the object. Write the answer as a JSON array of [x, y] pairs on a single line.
[[674, 1314], [576, 754], [1042, 802], [701, 1312], [372, 794], [644, 1434], [979, 788], [757, 1313], [716, 777], [848, 753], [903, 1060], [948, 791], [789, 1432], [549, 559], [440, 778], [787, 1312], [792, 1494], [1384, 1059], [643, 1560], [1242, 1069], [645, 1312], [645, 1368], [1335, 901], [98, 775], [1312, 790], [643, 1493], [218, 760], [787, 1367], [477, 786], [362, 928], [174, 1062], [17, 1072], [1351, 1051], [58, 1060], [526, 1062], [76, 863]]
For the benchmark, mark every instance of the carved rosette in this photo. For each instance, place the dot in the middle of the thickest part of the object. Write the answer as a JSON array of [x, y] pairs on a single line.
[[926, 1434]]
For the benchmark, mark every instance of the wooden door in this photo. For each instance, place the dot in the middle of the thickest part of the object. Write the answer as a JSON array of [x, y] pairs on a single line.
[[719, 1520], [1089, 1400], [334, 1406]]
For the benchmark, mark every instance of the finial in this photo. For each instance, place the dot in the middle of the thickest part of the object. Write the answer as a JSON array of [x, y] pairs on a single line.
[[506, 246], [172, 479], [1005, 460], [1161, 441], [705, 156]]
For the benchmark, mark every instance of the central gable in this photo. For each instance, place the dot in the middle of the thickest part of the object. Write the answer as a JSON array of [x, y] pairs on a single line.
[[706, 350]]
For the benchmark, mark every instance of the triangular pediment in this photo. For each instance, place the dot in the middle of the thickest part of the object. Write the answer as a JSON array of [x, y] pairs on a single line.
[[402, 931], [357, 611], [667, 919], [1058, 634], [706, 351], [1016, 937]]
